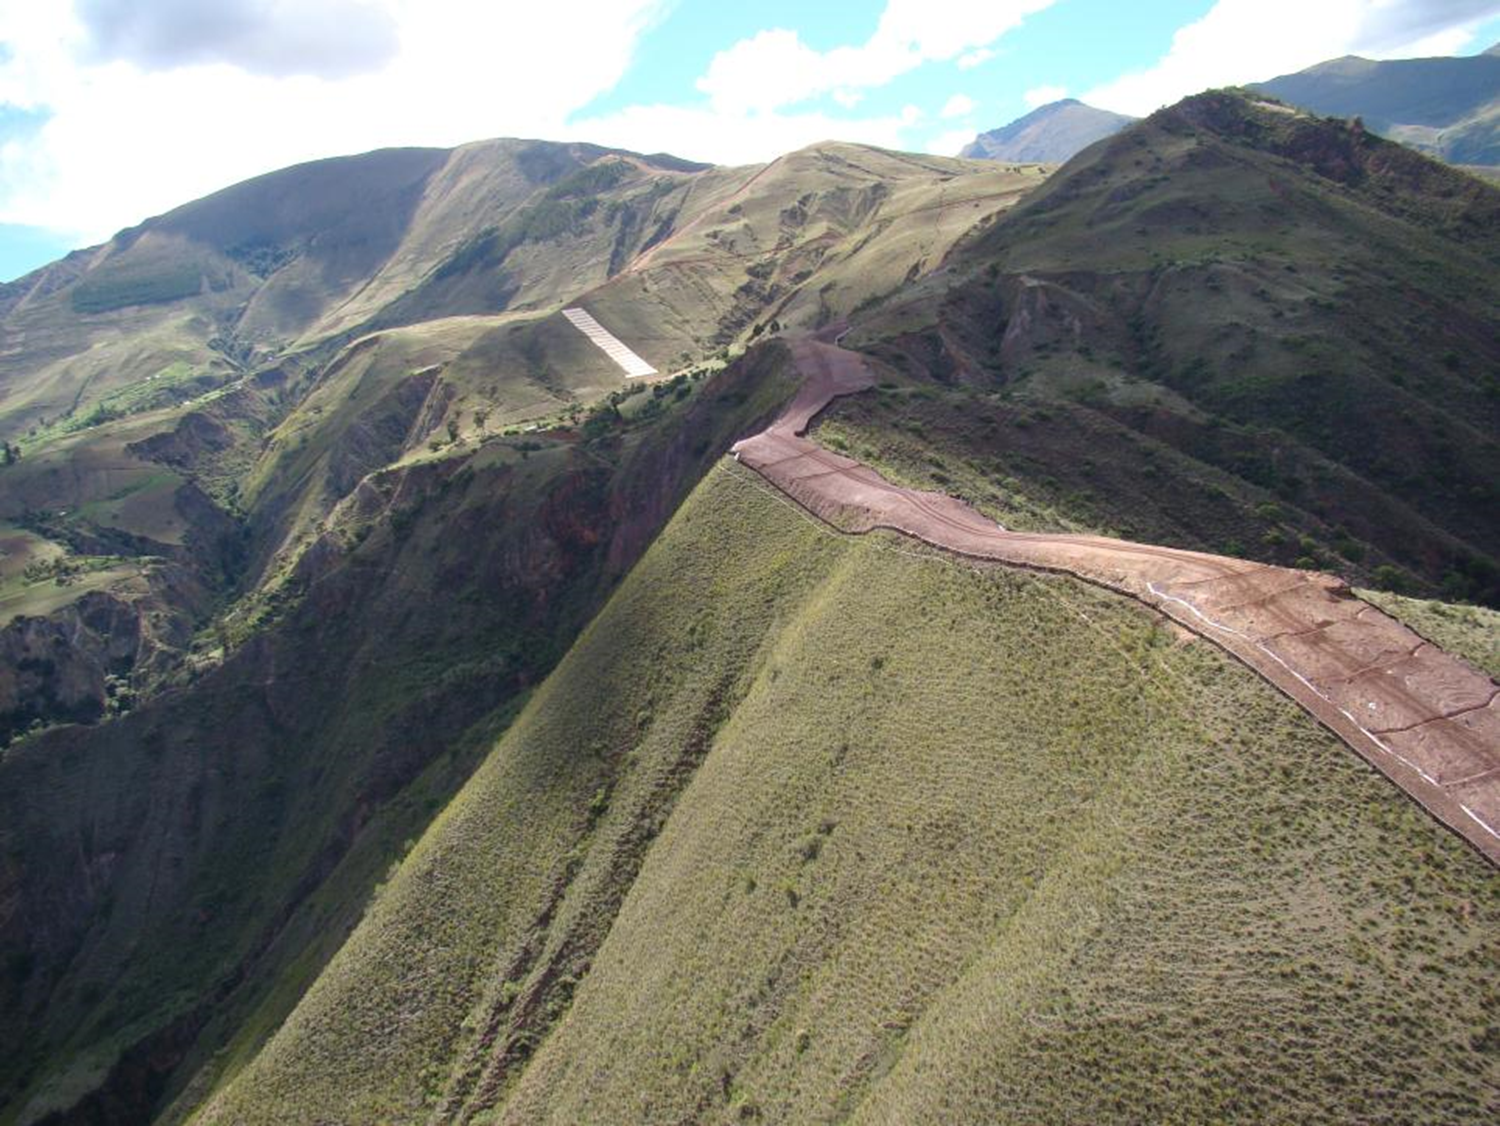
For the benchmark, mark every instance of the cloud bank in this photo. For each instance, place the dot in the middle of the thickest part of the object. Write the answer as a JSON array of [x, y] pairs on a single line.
[[143, 113], [775, 68], [331, 39], [114, 110], [1242, 41]]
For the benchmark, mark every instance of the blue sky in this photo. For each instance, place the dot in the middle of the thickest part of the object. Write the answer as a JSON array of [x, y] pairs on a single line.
[[1048, 49], [114, 110]]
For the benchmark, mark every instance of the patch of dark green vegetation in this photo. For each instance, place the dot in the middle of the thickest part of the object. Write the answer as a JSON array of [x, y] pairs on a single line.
[[590, 180], [104, 293], [560, 209], [262, 258]]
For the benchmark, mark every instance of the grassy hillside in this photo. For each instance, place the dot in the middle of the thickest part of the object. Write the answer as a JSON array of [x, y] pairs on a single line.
[[170, 874], [355, 314], [362, 418], [375, 303], [235, 281], [823, 232], [1237, 327], [815, 828], [798, 827]]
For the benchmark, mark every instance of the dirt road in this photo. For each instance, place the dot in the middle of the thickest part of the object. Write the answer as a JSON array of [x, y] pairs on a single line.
[[1425, 719]]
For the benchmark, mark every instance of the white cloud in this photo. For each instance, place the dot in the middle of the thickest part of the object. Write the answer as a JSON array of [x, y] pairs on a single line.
[[848, 98], [1044, 96], [774, 68], [949, 143], [123, 142], [957, 106], [703, 133], [333, 39], [1242, 41], [740, 137], [970, 59]]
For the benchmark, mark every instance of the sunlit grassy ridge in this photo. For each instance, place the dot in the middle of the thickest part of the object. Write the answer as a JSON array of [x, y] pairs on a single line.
[[809, 827], [812, 828], [480, 569]]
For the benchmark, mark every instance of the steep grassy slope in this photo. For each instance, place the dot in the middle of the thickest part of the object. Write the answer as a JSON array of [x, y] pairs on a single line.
[[1236, 327], [170, 873], [811, 828], [231, 282], [819, 233], [182, 288], [1231, 326], [353, 557]]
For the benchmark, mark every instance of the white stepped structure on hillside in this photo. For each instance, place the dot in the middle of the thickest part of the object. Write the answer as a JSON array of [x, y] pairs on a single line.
[[609, 342]]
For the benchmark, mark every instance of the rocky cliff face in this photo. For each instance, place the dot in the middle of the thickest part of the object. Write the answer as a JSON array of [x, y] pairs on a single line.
[[75, 665]]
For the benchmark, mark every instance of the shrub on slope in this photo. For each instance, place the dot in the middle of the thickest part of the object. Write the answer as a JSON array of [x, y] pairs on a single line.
[[814, 828]]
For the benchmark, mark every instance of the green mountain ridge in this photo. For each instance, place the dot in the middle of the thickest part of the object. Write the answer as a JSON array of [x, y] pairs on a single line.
[[216, 430], [1293, 314], [434, 508], [797, 868], [506, 753]]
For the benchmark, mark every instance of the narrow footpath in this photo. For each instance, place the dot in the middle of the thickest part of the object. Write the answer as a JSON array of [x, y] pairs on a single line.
[[1424, 718]]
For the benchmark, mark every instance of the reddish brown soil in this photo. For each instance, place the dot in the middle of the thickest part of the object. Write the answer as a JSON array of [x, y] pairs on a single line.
[[1425, 719]]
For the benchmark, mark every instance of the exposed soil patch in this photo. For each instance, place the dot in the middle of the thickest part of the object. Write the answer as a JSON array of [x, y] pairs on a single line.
[[1424, 718]]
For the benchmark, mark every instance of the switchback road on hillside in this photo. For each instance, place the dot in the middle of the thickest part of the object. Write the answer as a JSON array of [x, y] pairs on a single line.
[[1424, 718]]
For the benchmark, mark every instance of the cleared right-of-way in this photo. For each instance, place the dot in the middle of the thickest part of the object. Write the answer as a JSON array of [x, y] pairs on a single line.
[[1426, 719]]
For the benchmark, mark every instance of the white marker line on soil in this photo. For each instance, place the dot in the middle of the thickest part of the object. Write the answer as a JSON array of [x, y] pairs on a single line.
[[609, 343], [1474, 817], [1315, 690]]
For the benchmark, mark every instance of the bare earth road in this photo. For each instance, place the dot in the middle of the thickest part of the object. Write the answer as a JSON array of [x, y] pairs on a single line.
[[1424, 718]]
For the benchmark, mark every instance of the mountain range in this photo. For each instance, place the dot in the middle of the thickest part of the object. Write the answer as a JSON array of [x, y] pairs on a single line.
[[410, 716], [1446, 107], [1449, 107]]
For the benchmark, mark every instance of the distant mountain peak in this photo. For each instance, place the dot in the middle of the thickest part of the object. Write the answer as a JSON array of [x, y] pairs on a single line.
[[1049, 134]]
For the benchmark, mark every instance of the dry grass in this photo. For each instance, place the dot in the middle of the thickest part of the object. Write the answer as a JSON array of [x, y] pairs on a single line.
[[811, 828]]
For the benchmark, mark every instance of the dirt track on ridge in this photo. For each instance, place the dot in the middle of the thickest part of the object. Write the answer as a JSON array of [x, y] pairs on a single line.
[[1424, 718]]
